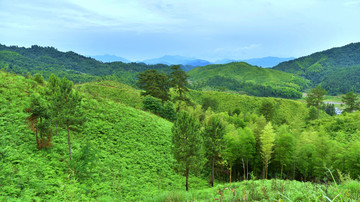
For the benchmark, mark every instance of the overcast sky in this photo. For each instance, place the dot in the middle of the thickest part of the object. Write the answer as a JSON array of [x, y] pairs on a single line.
[[206, 29]]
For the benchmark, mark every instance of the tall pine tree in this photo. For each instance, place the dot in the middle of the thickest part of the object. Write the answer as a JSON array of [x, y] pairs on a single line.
[[187, 144]]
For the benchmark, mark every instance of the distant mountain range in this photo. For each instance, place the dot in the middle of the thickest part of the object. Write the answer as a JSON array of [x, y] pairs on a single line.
[[177, 60], [337, 70], [189, 63], [110, 58]]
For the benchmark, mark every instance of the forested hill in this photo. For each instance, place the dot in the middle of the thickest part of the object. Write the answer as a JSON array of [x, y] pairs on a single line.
[[240, 76], [336, 69], [78, 68]]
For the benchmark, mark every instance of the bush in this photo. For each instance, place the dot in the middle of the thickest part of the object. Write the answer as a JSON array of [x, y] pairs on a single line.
[[39, 78], [153, 105]]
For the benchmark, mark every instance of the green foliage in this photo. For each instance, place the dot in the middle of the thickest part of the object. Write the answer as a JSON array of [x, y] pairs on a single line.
[[209, 102], [213, 134], [153, 105], [267, 110], [112, 90], [155, 84], [284, 149], [242, 77], [75, 67], [267, 190], [125, 154], [316, 97], [39, 78], [329, 109], [285, 111], [267, 139], [120, 154], [313, 114], [336, 69], [84, 162], [178, 80], [247, 148], [187, 144], [351, 102]]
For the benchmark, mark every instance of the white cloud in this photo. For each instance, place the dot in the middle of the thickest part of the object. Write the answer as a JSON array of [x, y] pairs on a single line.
[[242, 28]]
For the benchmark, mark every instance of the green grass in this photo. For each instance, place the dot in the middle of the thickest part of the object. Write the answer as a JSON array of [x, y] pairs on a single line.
[[112, 90], [268, 190]]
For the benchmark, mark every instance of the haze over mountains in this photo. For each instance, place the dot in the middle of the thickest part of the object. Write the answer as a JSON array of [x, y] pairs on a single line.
[[191, 62]]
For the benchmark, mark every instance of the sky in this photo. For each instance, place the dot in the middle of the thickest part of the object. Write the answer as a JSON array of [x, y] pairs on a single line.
[[205, 29]]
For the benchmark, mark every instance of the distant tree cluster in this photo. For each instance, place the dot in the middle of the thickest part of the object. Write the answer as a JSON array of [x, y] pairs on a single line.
[[157, 85]]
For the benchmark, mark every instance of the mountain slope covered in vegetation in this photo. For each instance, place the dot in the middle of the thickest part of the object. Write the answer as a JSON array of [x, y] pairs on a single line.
[[337, 69], [75, 67], [240, 76], [124, 153], [120, 153]]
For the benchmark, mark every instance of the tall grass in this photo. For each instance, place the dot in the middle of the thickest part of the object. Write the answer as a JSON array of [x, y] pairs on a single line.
[[268, 190]]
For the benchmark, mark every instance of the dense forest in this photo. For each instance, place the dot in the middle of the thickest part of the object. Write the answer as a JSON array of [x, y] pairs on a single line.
[[75, 67], [336, 70]]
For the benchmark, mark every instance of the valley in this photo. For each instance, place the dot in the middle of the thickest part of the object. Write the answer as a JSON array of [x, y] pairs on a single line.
[[73, 128]]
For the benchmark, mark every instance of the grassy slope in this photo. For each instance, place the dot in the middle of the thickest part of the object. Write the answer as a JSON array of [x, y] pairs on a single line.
[[240, 71], [112, 90], [131, 149]]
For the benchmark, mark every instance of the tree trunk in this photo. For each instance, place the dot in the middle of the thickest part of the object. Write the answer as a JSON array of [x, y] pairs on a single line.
[[56, 128], [318, 112], [213, 172], [69, 143], [282, 168], [37, 139], [247, 169], [230, 171], [294, 171], [243, 168], [266, 169], [187, 179]]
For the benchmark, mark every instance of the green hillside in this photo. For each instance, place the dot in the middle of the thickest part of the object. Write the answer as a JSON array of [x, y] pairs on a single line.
[[285, 111], [252, 80], [337, 69], [120, 153], [75, 67]]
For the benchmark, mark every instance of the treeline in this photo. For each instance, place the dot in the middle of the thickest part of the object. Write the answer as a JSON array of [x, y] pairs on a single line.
[[239, 146], [75, 67], [222, 83]]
